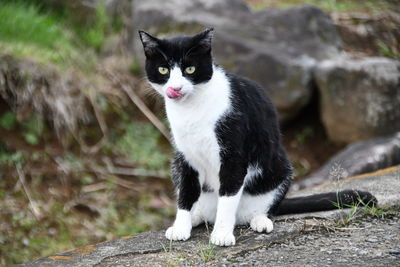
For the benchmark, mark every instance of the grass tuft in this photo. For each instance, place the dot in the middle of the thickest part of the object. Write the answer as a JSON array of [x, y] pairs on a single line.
[[27, 31], [360, 209], [207, 252]]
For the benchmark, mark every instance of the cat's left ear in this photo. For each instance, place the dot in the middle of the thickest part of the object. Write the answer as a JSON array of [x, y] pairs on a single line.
[[150, 43], [204, 39], [206, 36]]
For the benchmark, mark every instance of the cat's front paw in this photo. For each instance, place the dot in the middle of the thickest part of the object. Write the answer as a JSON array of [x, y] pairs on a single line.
[[261, 223], [177, 233], [222, 238]]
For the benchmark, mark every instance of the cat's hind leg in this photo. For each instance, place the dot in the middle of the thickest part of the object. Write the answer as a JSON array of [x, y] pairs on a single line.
[[254, 210], [205, 209], [261, 223]]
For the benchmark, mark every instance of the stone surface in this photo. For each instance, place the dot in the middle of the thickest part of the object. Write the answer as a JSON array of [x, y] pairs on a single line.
[[275, 47], [366, 34], [312, 239], [357, 158], [359, 98]]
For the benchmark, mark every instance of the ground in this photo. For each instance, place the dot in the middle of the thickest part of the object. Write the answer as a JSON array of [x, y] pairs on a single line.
[[368, 242], [356, 236]]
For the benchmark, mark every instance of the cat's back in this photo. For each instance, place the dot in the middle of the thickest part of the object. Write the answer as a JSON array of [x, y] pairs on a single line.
[[248, 95]]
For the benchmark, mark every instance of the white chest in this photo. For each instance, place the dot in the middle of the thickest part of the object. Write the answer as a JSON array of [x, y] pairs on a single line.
[[193, 122], [198, 142]]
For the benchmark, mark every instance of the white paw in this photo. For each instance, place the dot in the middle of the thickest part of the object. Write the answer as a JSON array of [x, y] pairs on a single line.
[[261, 223], [222, 238], [177, 233]]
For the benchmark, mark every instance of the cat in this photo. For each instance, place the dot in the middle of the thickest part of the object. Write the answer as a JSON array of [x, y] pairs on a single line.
[[230, 167]]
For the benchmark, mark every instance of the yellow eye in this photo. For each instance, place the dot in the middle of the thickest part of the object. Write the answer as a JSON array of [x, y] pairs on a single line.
[[163, 70], [190, 70]]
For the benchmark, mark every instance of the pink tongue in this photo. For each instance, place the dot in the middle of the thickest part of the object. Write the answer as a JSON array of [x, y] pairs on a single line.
[[171, 93]]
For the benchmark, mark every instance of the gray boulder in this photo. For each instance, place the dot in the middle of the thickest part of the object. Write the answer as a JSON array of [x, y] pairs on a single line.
[[358, 158], [277, 48], [359, 98]]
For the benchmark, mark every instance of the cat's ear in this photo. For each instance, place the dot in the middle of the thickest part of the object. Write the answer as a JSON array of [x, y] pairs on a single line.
[[202, 42], [205, 37], [150, 43]]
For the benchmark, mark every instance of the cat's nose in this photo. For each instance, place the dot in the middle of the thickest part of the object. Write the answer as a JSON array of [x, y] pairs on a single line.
[[176, 89]]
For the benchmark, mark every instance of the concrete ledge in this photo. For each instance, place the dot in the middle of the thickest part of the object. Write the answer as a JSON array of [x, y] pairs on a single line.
[[152, 249]]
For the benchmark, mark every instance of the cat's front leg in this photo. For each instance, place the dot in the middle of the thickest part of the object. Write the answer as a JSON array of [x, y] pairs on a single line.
[[188, 187], [231, 177]]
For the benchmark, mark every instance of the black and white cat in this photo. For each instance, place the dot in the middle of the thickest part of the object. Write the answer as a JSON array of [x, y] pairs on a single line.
[[230, 167]]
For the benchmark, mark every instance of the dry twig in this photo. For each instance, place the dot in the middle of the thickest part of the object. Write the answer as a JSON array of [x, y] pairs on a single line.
[[32, 203], [139, 103]]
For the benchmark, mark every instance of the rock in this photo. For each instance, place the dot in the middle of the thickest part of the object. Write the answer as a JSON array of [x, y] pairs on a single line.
[[359, 98], [364, 34], [358, 158], [275, 47], [382, 184]]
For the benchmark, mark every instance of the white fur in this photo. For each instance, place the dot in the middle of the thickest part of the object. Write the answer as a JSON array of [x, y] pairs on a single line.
[[252, 171], [261, 223], [181, 228], [222, 234], [205, 209], [193, 119]]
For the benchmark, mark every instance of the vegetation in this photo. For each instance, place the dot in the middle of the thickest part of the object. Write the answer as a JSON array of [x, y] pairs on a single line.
[[32, 30], [140, 143], [208, 252], [26, 32], [359, 210], [328, 5], [386, 51], [55, 195]]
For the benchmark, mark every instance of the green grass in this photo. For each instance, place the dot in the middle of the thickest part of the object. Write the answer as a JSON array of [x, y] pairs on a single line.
[[386, 51], [208, 252], [359, 210], [95, 35], [28, 32], [327, 5], [140, 143]]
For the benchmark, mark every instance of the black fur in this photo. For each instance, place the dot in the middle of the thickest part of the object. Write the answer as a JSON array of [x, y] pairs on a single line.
[[250, 135], [325, 201], [185, 179], [182, 50]]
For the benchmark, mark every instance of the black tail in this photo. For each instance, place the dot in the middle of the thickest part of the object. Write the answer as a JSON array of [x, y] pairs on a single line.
[[325, 201]]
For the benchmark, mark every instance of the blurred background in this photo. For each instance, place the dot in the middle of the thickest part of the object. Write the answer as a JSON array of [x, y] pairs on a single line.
[[84, 143]]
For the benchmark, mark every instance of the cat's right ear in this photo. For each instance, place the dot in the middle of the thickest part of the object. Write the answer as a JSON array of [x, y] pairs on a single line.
[[149, 42]]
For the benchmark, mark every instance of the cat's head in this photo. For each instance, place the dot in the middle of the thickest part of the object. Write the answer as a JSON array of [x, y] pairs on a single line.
[[176, 65]]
